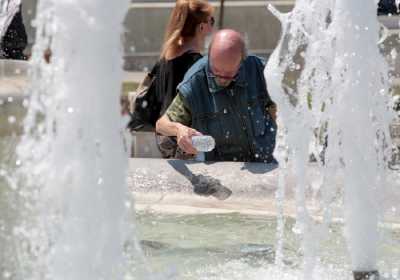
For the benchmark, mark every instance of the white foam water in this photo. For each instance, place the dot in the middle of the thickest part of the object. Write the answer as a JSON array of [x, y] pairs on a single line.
[[331, 85], [71, 159]]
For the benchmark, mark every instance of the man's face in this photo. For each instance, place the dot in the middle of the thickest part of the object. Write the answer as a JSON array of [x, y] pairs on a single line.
[[225, 69]]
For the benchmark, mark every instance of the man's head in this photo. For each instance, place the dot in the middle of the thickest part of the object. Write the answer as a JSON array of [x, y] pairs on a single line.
[[226, 52]]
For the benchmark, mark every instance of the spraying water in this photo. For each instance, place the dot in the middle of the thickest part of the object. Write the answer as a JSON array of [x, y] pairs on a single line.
[[71, 157], [331, 85]]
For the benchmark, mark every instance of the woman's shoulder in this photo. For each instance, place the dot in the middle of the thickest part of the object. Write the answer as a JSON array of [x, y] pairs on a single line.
[[187, 57]]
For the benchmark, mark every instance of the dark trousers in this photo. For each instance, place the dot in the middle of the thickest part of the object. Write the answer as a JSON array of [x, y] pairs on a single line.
[[15, 39]]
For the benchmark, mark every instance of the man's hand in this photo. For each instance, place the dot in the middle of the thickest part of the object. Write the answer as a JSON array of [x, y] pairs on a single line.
[[184, 139], [182, 132]]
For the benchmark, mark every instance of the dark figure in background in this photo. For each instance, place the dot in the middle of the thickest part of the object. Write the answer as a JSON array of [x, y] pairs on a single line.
[[386, 7], [15, 39]]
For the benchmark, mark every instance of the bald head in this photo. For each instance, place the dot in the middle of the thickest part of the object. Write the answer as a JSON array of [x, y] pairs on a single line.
[[226, 51]]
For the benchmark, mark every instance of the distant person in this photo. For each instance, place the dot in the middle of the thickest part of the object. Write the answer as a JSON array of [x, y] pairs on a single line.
[[189, 24], [224, 95], [13, 35], [386, 7]]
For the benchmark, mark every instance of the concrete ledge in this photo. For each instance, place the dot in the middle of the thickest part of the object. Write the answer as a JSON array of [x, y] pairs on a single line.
[[170, 186]]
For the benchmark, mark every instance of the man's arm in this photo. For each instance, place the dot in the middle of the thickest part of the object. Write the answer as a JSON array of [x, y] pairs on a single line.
[[176, 122]]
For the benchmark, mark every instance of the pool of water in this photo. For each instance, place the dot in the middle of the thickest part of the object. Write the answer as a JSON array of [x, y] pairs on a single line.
[[236, 246], [217, 246]]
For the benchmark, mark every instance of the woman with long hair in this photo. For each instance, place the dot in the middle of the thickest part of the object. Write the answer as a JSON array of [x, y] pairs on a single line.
[[188, 26], [190, 22]]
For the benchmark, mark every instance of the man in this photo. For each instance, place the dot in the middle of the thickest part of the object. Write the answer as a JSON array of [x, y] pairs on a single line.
[[12, 30], [224, 95]]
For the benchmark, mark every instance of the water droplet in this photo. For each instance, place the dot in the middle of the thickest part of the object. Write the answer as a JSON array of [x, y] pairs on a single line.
[[25, 103], [393, 53], [70, 110], [12, 119], [6, 274], [91, 21]]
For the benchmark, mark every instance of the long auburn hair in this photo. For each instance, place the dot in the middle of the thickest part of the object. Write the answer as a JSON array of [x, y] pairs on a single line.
[[182, 23]]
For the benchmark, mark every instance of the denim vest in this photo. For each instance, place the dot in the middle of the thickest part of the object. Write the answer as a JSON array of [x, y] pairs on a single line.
[[235, 116]]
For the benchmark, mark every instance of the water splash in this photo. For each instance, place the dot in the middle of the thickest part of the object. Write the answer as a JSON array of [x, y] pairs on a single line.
[[71, 157], [331, 86]]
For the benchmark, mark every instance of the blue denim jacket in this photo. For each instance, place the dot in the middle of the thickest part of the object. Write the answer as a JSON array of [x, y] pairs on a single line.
[[235, 116]]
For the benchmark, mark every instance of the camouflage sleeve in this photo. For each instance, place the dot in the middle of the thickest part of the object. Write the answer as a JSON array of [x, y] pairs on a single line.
[[178, 111]]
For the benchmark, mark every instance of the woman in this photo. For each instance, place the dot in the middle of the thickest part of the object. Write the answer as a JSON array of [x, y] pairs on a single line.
[[191, 21], [189, 24]]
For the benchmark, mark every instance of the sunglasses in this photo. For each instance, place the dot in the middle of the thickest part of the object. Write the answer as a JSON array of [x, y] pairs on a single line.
[[227, 78], [223, 77]]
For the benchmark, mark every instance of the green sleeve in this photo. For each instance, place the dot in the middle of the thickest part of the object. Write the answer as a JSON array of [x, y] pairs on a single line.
[[178, 111]]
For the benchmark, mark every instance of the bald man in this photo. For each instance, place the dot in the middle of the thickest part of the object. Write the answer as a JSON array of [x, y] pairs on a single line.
[[224, 95]]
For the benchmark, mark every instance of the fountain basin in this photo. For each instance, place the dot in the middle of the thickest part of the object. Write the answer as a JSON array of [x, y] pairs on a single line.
[[169, 186], [197, 236]]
